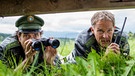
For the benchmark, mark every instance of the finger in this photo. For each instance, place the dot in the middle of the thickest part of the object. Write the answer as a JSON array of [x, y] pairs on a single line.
[[47, 48], [27, 41], [53, 51], [28, 46], [50, 52], [30, 50], [115, 49], [114, 44], [34, 52], [27, 54], [30, 53], [50, 37], [25, 44]]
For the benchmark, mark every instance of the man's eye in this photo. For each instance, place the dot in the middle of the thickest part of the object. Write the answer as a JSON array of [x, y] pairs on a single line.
[[109, 30], [36, 35], [26, 36], [100, 31]]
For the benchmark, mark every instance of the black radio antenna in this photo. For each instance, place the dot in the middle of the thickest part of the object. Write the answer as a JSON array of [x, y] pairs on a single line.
[[118, 38]]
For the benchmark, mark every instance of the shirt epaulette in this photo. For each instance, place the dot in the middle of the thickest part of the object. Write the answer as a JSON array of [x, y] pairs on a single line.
[[9, 42], [12, 45]]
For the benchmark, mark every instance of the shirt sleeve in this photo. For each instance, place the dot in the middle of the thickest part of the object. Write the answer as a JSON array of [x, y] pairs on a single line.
[[1, 54], [79, 48]]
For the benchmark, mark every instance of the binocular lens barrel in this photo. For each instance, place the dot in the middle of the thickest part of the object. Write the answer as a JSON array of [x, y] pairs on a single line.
[[37, 44], [54, 43]]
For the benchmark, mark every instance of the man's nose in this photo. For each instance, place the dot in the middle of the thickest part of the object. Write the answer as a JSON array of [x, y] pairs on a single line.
[[105, 35]]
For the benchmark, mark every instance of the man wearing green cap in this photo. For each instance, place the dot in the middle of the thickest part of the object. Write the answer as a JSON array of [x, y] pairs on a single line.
[[18, 47]]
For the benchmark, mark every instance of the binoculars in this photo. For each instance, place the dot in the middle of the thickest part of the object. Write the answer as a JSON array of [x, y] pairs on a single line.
[[39, 44]]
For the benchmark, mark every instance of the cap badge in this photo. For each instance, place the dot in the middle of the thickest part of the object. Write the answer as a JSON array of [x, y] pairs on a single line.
[[30, 18]]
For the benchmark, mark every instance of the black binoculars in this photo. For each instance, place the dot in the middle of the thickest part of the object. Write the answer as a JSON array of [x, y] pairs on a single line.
[[39, 44]]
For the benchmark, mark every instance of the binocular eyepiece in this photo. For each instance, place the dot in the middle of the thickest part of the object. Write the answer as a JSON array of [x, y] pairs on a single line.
[[38, 44]]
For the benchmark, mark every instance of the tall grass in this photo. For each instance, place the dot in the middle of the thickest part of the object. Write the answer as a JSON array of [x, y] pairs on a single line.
[[132, 46], [94, 65], [66, 46]]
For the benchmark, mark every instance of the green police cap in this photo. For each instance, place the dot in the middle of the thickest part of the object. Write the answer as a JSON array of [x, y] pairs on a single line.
[[29, 23]]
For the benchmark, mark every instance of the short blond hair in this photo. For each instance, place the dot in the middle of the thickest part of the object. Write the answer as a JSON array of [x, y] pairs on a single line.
[[103, 15]]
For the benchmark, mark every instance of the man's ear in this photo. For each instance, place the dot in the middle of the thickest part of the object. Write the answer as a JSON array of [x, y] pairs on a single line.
[[41, 33], [92, 29], [115, 27], [18, 35]]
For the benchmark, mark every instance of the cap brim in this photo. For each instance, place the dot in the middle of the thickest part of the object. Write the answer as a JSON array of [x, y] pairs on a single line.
[[30, 30], [29, 26]]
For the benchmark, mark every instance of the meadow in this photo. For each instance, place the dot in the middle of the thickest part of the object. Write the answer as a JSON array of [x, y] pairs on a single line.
[[112, 65]]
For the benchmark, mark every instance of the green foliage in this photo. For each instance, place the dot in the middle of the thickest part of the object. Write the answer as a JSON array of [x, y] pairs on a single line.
[[66, 46], [94, 65], [131, 35], [82, 67], [113, 64]]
